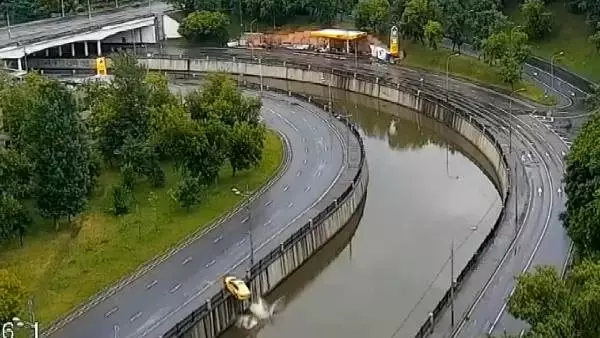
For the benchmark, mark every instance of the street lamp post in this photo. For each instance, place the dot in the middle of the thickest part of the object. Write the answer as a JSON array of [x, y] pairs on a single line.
[[561, 53], [347, 118], [248, 212], [510, 117], [448, 71], [510, 152], [447, 163]]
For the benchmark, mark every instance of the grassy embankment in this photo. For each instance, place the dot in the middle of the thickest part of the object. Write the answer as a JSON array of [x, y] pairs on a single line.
[[569, 34], [62, 269], [468, 68]]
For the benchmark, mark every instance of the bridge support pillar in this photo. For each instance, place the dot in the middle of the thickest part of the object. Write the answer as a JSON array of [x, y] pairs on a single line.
[[59, 51], [99, 47], [47, 52], [19, 64], [86, 50], [73, 49]]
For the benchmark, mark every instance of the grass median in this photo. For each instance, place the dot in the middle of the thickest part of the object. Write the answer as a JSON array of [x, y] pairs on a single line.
[[468, 68], [60, 270], [569, 34]]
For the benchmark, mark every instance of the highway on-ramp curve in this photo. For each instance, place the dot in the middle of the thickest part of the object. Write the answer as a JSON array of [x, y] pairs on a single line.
[[153, 303]]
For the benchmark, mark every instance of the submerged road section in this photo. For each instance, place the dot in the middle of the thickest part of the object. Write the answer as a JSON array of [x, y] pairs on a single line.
[[157, 300]]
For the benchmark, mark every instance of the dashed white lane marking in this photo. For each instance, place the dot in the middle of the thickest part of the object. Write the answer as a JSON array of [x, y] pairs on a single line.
[[267, 223], [187, 260], [268, 203], [135, 316], [291, 204], [175, 288], [299, 173], [209, 264], [111, 311], [307, 188], [305, 161], [286, 187], [217, 239], [306, 149], [245, 219], [240, 243], [151, 284]]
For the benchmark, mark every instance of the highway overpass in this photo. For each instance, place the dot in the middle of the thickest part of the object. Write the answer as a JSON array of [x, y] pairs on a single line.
[[84, 35]]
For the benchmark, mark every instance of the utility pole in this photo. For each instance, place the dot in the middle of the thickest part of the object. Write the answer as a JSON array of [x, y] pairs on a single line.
[[510, 126], [89, 6], [62, 7], [516, 200], [8, 24], [452, 285]]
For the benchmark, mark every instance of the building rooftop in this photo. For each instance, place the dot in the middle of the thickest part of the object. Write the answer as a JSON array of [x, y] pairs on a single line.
[[341, 34]]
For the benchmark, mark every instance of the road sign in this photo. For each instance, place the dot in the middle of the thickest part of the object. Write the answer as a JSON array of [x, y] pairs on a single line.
[[394, 41], [101, 66]]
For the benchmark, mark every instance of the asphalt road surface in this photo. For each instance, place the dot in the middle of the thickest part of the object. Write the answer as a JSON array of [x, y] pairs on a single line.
[[53, 28], [155, 302]]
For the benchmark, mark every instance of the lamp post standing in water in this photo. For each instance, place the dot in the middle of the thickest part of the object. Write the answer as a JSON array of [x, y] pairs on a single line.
[[448, 71]]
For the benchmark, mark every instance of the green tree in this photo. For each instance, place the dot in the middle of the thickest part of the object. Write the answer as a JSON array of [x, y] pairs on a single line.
[[538, 20], [194, 154], [416, 15], [159, 94], [372, 15], [396, 9], [189, 191], [123, 111], [510, 70], [219, 98], [457, 23], [246, 148], [559, 308], [538, 295], [205, 26], [58, 146], [582, 183], [511, 44], [122, 198], [486, 19], [16, 173], [434, 33], [14, 218], [12, 295], [595, 39]]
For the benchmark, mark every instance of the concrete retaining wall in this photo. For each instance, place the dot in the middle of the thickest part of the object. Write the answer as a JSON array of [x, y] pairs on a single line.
[[221, 310], [408, 95]]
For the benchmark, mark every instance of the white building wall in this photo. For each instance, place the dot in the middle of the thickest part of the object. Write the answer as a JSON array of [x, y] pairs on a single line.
[[170, 27], [140, 35]]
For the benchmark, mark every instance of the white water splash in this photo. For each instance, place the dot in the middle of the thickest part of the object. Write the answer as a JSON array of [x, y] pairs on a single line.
[[260, 311]]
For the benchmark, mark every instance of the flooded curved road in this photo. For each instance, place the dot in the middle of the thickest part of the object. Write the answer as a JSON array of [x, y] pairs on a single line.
[[425, 193]]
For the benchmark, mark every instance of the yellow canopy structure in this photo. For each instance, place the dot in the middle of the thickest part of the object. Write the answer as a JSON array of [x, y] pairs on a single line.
[[339, 34]]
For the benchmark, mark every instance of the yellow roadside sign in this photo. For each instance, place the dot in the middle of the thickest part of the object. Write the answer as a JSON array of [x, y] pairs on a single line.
[[101, 66]]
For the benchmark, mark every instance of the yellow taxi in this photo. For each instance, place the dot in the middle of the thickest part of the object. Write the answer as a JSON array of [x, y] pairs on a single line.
[[237, 287]]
